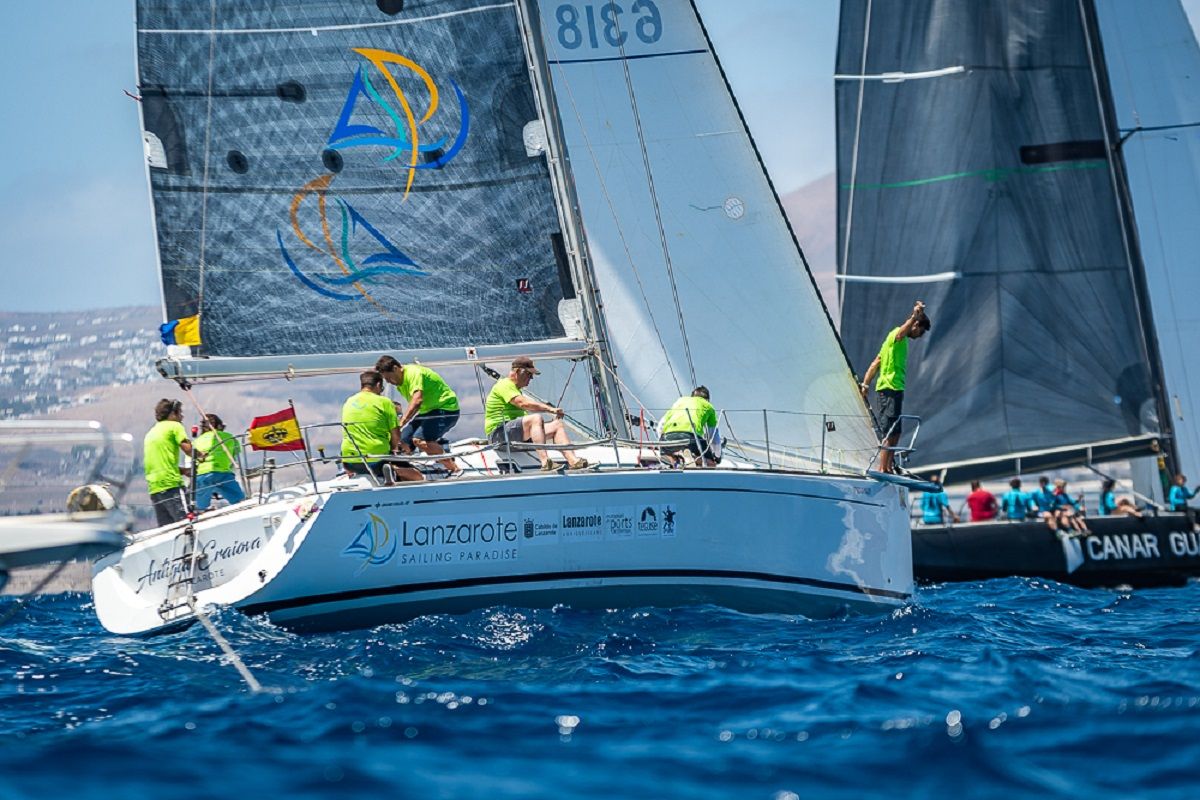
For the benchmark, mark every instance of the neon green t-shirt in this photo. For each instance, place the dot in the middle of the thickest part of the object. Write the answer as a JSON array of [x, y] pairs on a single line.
[[436, 395], [369, 419], [161, 456], [893, 360], [222, 449], [694, 414], [499, 408]]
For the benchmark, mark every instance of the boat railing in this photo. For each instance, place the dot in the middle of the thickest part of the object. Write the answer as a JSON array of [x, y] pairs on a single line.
[[899, 451], [812, 442]]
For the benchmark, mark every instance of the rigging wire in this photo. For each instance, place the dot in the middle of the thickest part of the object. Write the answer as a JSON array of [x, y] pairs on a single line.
[[212, 47], [662, 233], [613, 211]]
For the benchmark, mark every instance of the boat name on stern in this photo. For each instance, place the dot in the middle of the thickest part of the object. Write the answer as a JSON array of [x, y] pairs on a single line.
[[214, 563]]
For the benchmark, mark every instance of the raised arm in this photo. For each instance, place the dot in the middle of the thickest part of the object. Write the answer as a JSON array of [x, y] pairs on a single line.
[[905, 329]]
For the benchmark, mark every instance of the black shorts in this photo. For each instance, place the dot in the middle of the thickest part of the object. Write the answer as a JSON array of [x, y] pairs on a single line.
[[891, 406], [697, 445], [169, 506]]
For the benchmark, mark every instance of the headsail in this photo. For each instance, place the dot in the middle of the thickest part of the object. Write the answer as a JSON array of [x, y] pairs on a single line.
[[701, 277], [1153, 61], [349, 176], [971, 147]]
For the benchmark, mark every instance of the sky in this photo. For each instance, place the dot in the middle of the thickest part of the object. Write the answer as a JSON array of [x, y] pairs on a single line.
[[74, 204]]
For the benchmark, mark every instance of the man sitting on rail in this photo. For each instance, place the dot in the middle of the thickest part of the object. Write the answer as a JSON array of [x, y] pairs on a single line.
[[369, 432], [510, 416]]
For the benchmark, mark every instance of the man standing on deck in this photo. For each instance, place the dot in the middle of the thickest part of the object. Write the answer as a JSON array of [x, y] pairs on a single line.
[[370, 432], [510, 416], [432, 407], [693, 420], [891, 364], [161, 448], [216, 451]]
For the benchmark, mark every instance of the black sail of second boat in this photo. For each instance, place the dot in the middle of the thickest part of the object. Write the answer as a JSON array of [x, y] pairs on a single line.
[[974, 174]]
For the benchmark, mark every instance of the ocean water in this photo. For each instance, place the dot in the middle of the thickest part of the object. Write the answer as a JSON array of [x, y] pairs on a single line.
[[1007, 688]]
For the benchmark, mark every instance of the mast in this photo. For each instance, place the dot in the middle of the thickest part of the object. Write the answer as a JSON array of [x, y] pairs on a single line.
[[608, 394], [1133, 250]]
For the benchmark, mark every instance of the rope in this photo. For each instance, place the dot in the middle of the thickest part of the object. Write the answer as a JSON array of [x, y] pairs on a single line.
[[212, 46], [229, 652]]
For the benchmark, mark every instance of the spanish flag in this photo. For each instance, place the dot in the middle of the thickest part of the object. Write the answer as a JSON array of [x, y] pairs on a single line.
[[278, 431], [181, 331]]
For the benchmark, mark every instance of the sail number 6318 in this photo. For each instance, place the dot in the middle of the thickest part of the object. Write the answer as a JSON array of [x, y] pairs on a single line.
[[647, 25]]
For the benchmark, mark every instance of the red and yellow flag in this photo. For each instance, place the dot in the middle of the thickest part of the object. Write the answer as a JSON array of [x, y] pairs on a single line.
[[278, 431]]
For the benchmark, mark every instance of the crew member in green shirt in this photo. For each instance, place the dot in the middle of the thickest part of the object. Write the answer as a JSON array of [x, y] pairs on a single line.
[[432, 407], [216, 451], [160, 454], [891, 364], [509, 416], [369, 431], [694, 420]]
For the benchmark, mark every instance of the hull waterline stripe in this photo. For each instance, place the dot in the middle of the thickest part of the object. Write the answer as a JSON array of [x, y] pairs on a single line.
[[542, 577]]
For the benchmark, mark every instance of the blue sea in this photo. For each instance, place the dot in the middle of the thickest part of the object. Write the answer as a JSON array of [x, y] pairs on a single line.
[[1007, 688]]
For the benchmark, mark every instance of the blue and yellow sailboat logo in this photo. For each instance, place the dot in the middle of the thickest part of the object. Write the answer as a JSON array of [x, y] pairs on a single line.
[[344, 269], [374, 544]]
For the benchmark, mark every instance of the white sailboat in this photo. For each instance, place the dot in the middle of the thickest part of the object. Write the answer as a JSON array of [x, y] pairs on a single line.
[[85, 532], [462, 241]]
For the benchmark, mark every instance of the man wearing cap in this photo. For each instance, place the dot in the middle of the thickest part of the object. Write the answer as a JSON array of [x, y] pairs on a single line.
[[693, 420], [432, 407], [509, 416]]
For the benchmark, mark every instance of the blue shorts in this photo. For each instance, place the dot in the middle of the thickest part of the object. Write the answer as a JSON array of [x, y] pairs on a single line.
[[429, 427], [223, 482]]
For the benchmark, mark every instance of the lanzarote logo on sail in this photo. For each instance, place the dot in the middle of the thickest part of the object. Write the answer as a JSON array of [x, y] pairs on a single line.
[[389, 104]]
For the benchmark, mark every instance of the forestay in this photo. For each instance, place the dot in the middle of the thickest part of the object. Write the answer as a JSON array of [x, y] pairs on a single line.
[[971, 142], [335, 177], [1153, 61], [701, 278]]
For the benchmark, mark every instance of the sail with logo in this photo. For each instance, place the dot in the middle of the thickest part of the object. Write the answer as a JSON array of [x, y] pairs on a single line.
[[976, 172], [334, 178]]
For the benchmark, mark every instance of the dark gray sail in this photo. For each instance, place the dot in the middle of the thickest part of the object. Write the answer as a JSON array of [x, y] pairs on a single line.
[[974, 174], [347, 176]]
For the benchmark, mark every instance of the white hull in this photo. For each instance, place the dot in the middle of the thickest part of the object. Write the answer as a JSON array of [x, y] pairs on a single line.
[[358, 556]]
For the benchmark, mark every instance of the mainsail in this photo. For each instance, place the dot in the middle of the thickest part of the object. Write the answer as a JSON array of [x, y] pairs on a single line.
[[1153, 61], [353, 176], [701, 278], [975, 173]]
